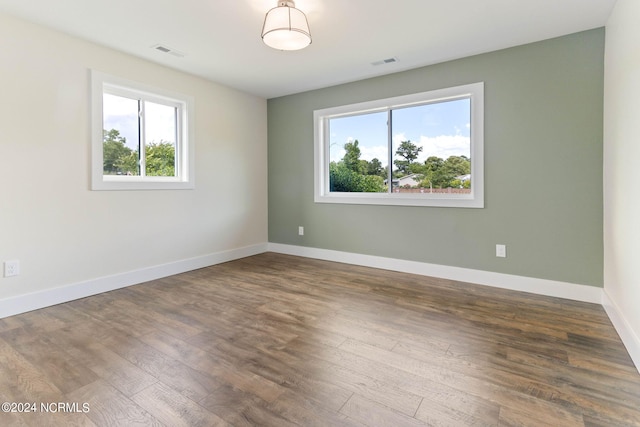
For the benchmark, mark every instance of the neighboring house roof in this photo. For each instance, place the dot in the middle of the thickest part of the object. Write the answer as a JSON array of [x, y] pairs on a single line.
[[408, 180], [411, 180]]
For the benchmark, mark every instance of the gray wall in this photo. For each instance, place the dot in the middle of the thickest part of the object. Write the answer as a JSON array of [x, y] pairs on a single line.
[[543, 168]]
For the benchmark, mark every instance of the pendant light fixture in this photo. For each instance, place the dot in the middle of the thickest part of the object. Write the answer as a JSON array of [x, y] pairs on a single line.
[[286, 28]]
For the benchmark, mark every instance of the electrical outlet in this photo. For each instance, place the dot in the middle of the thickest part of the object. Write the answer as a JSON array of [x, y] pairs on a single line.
[[501, 251], [11, 268], [301, 231]]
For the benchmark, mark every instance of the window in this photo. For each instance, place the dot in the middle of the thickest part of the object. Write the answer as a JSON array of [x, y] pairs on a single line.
[[141, 136], [423, 149]]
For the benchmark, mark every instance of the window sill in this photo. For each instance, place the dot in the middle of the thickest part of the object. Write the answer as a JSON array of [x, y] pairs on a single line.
[[117, 183], [439, 200]]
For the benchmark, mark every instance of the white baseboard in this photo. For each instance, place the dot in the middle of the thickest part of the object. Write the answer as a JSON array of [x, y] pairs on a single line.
[[627, 335], [33, 301], [551, 288], [572, 291]]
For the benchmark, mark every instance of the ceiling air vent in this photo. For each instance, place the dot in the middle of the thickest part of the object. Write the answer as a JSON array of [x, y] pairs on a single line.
[[385, 61], [165, 49]]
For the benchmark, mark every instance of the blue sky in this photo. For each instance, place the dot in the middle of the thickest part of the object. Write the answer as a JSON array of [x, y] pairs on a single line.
[[442, 129]]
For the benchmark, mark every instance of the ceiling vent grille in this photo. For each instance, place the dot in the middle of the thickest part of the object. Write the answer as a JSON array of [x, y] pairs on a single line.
[[170, 51], [385, 61]]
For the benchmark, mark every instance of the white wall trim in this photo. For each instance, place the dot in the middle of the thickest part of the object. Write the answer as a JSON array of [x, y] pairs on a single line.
[[629, 338], [33, 301], [551, 288]]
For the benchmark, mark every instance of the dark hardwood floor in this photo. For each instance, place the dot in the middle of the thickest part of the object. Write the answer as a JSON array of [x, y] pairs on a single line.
[[276, 340]]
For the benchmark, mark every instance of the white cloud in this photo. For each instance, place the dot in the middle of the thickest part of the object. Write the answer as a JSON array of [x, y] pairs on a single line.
[[376, 152], [398, 138], [337, 155], [366, 153], [444, 146]]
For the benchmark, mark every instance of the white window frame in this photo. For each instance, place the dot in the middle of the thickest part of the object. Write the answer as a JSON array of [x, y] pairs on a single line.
[[322, 193], [102, 83]]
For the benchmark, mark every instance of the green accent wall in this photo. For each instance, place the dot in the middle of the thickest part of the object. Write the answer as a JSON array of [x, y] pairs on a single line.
[[543, 168]]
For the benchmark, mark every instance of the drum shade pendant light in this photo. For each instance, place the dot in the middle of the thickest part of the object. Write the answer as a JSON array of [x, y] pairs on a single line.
[[286, 28]]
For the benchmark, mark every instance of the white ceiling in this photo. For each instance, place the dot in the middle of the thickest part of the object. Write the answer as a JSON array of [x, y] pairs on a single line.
[[221, 39]]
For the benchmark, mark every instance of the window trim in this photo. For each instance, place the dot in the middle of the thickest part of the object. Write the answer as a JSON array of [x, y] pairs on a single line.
[[185, 154], [474, 91]]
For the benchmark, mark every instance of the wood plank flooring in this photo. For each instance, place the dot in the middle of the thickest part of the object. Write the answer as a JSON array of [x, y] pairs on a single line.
[[275, 340]]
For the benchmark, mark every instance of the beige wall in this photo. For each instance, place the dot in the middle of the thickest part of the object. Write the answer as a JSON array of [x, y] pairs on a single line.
[[62, 232], [621, 168]]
